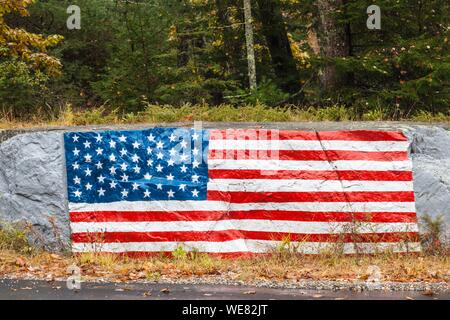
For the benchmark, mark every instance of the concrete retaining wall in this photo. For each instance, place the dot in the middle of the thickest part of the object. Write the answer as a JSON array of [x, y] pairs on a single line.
[[33, 187]]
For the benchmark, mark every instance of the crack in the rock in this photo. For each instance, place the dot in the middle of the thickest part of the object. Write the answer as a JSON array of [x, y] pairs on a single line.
[[353, 226]]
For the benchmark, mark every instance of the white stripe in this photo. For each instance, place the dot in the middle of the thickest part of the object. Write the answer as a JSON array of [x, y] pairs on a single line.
[[245, 225], [174, 206], [241, 245], [227, 164], [269, 185], [380, 146]]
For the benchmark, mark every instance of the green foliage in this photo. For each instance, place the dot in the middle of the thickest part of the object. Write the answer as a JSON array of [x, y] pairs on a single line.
[[19, 86], [12, 238], [267, 93], [133, 54], [179, 252]]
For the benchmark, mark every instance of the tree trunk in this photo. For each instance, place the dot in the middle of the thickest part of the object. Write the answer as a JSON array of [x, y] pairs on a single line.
[[275, 33], [250, 44], [334, 41]]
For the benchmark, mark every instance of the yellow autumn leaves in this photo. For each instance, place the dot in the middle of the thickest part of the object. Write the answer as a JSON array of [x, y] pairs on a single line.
[[23, 45]]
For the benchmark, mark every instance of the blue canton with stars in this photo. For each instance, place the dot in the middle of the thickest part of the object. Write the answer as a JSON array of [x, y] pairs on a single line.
[[147, 165]]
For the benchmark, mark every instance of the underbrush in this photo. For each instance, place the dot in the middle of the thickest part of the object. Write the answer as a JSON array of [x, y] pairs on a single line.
[[104, 115], [282, 263]]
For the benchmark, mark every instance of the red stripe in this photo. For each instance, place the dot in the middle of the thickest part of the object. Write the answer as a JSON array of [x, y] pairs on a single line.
[[139, 216], [169, 254], [372, 196], [313, 175], [225, 255], [229, 235], [261, 134], [307, 155]]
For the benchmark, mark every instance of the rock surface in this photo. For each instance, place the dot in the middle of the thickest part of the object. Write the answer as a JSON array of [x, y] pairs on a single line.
[[33, 186]]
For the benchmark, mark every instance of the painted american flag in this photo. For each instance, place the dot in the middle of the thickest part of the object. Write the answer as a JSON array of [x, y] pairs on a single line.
[[233, 192]]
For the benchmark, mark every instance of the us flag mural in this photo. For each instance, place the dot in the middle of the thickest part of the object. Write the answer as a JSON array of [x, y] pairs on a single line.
[[233, 192]]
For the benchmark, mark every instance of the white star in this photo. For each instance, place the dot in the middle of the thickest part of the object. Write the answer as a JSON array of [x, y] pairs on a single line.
[[75, 138], [113, 185], [195, 164], [172, 152], [183, 144], [183, 187], [124, 193], [172, 138], [101, 192], [99, 151], [78, 193], [149, 163], [137, 169], [76, 152], [135, 158], [87, 145], [88, 158], [99, 165], [76, 166], [123, 152], [184, 157], [101, 179], [170, 193], [159, 186], [112, 144], [123, 166], [195, 136], [147, 176], [88, 186], [112, 170], [195, 178], [88, 172], [77, 180], [170, 177], [195, 151], [160, 145], [184, 169], [136, 145], [151, 138], [195, 193], [147, 194], [112, 157], [122, 138], [160, 156], [171, 162], [124, 178], [149, 150], [135, 186], [99, 138], [159, 168]]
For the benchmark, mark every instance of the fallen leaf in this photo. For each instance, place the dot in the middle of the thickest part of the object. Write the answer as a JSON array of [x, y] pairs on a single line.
[[317, 296], [21, 262], [409, 298], [428, 293], [165, 290], [147, 294], [250, 292]]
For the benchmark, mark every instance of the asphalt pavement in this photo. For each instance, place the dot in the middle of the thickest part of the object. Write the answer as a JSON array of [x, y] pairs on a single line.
[[42, 290]]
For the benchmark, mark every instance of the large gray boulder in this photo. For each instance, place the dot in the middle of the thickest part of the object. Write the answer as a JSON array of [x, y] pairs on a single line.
[[33, 179], [430, 150], [32, 187]]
